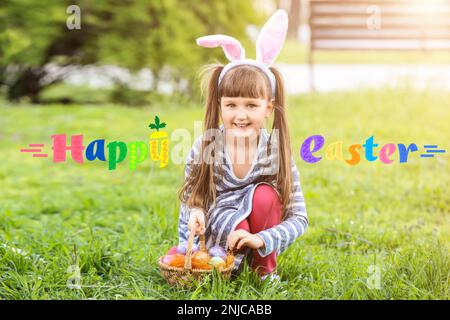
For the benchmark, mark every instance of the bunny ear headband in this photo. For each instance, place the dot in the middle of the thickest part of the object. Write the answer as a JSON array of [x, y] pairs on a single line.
[[268, 46]]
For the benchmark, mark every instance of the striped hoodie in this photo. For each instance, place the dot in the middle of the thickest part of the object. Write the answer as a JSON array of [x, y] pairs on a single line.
[[234, 199]]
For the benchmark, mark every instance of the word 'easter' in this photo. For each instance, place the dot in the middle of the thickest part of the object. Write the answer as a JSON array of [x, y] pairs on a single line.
[[334, 151]]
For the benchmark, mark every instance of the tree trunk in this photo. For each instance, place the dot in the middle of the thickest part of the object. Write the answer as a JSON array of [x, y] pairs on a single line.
[[294, 20], [27, 84]]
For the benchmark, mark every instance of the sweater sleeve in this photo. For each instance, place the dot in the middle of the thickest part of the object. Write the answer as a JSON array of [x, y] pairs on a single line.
[[185, 211], [295, 224]]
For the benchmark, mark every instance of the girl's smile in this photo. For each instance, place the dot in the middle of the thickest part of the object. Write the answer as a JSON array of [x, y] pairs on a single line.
[[244, 117]]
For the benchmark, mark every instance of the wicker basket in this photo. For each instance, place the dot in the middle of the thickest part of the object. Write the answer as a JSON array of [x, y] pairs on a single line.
[[186, 276]]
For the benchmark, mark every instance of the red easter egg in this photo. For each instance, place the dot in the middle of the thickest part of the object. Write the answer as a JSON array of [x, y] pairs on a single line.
[[172, 250]]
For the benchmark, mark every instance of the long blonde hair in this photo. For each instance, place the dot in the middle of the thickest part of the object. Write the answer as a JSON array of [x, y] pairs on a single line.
[[241, 81]]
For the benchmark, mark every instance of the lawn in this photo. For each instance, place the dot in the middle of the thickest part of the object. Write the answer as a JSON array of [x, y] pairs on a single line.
[[376, 231]]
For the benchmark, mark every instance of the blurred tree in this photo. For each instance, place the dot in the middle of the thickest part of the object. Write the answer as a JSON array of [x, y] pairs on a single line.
[[294, 19], [293, 8], [133, 34]]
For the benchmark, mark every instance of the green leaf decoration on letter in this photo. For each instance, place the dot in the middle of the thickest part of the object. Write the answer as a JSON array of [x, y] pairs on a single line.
[[157, 125]]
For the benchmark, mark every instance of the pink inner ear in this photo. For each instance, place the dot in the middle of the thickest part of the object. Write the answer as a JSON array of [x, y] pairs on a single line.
[[271, 38], [232, 48]]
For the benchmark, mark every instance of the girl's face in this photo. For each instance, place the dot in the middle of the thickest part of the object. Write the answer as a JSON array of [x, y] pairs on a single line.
[[244, 116]]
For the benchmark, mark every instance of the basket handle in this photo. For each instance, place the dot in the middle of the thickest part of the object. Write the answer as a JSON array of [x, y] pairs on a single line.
[[188, 257]]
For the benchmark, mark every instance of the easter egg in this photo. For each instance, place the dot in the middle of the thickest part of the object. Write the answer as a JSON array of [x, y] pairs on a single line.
[[182, 248], [177, 260], [200, 259], [217, 262], [203, 267], [167, 259], [172, 250], [218, 251], [194, 248], [229, 261]]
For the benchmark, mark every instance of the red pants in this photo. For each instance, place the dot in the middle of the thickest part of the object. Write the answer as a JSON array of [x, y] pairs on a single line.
[[266, 213]]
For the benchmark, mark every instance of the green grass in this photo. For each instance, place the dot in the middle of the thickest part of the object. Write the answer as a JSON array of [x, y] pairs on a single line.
[[296, 52], [393, 217]]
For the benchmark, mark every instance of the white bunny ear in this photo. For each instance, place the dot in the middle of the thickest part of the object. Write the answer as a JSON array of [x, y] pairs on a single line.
[[271, 38], [232, 47]]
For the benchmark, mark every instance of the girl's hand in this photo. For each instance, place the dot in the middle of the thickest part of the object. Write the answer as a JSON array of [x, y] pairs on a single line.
[[196, 221], [239, 238]]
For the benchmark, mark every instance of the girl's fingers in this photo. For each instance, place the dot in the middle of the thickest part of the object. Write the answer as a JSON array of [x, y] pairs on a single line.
[[242, 242], [233, 239], [194, 227], [201, 220], [230, 242]]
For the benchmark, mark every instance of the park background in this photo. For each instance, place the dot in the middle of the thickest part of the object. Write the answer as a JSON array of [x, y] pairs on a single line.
[[376, 231]]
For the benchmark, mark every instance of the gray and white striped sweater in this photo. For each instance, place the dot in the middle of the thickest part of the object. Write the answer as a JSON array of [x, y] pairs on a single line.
[[234, 202]]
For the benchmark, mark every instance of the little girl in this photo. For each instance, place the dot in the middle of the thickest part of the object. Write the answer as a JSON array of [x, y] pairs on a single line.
[[242, 188]]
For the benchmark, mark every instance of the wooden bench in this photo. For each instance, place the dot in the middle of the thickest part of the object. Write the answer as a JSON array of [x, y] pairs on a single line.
[[378, 25]]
